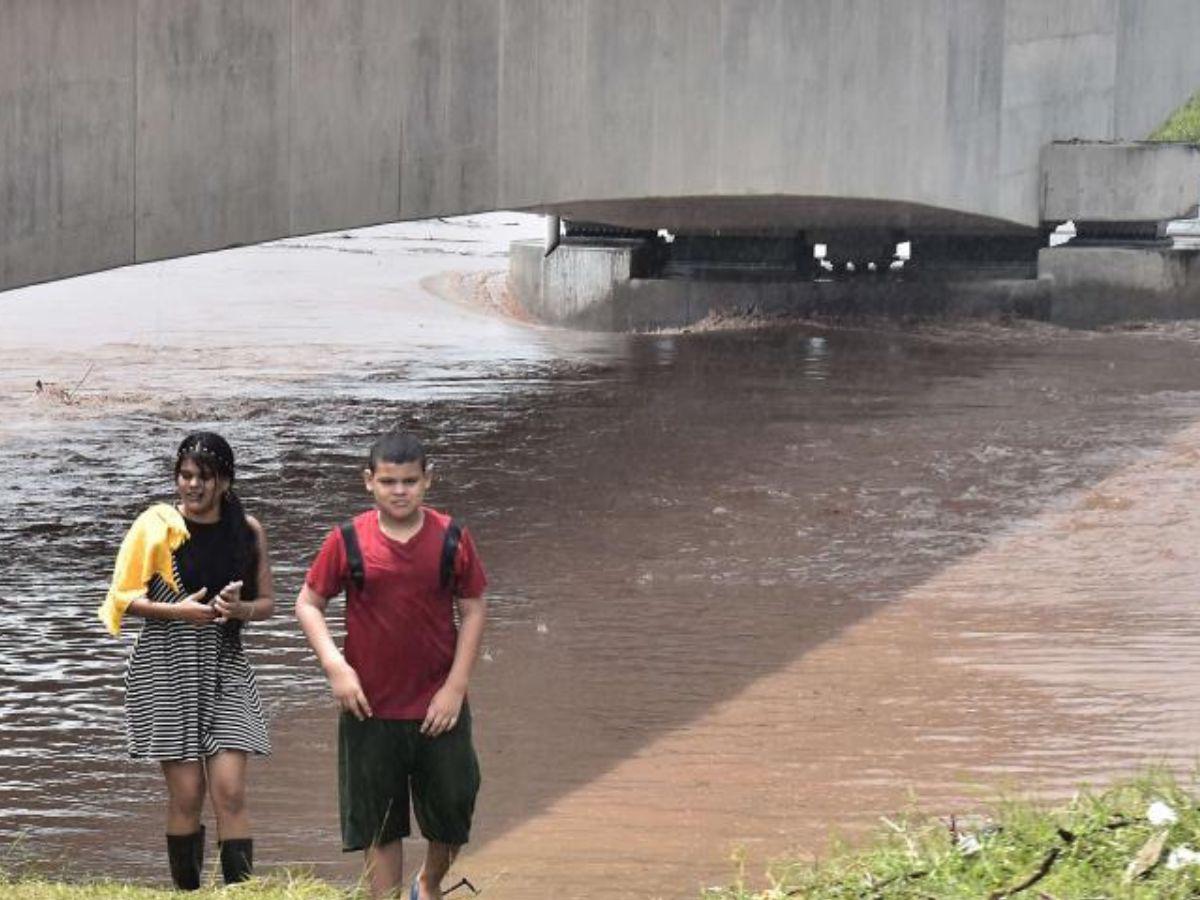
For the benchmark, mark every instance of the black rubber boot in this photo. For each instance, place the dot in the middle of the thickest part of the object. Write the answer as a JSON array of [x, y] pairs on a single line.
[[185, 852], [237, 859]]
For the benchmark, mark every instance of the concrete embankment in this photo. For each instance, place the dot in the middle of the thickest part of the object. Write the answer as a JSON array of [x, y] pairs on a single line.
[[1082, 286], [1124, 201]]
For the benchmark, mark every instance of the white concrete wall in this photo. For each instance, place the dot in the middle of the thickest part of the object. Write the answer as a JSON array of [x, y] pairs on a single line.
[[1089, 286], [66, 137], [213, 95], [574, 284], [1158, 62], [854, 98], [344, 159], [1120, 182], [138, 129], [1059, 72]]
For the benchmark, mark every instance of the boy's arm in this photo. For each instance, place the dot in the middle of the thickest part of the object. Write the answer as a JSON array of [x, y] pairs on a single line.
[[343, 680], [447, 702]]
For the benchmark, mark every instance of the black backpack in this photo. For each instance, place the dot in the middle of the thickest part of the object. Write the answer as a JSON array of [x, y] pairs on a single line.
[[358, 570]]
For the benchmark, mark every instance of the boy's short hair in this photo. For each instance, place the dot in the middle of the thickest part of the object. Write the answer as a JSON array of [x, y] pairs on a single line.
[[396, 446]]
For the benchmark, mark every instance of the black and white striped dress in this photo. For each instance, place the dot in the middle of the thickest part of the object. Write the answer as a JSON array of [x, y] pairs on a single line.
[[189, 690]]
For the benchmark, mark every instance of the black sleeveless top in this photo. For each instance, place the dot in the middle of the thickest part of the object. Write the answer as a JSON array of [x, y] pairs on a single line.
[[207, 560]]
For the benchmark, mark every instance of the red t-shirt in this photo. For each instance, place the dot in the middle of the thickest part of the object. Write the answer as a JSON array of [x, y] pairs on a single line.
[[400, 631]]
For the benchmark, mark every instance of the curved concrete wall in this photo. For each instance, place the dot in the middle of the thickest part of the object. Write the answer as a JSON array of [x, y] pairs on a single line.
[[133, 130]]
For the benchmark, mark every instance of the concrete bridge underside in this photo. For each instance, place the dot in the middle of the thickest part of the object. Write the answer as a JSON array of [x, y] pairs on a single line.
[[134, 130]]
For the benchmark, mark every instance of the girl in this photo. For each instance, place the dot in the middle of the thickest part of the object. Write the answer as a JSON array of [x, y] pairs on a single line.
[[195, 572]]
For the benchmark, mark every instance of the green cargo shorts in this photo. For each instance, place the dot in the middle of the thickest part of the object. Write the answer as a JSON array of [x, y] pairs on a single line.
[[378, 760]]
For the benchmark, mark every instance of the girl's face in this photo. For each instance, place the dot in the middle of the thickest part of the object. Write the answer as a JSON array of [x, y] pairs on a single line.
[[199, 491]]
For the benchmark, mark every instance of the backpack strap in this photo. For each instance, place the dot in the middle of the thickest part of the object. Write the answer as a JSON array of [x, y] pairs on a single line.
[[354, 557], [358, 571], [449, 552]]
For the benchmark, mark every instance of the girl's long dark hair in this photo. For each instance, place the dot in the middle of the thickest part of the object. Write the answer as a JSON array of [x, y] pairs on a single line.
[[214, 457]]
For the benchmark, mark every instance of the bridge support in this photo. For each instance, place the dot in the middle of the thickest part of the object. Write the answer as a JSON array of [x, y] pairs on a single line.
[[1095, 284], [1122, 263], [636, 284], [644, 283], [553, 233]]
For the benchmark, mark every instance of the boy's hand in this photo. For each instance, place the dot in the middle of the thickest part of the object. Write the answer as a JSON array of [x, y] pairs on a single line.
[[190, 609], [348, 692], [443, 711]]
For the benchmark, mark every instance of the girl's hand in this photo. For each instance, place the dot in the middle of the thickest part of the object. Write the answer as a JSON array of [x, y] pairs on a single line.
[[229, 604], [190, 609]]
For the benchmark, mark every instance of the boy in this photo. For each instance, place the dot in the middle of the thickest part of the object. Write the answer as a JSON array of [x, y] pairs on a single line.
[[402, 682]]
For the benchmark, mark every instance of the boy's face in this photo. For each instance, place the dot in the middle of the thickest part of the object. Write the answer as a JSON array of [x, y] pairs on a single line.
[[398, 488]]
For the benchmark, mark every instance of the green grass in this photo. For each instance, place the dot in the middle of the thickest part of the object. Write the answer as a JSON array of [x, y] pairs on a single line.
[[278, 886], [1079, 851], [1099, 845], [1184, 124]]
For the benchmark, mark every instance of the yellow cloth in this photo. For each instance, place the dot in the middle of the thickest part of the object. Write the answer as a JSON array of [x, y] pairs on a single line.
[[145, 552]]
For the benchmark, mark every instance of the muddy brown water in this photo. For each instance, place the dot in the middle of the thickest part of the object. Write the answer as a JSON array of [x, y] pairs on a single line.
[[749, 588]]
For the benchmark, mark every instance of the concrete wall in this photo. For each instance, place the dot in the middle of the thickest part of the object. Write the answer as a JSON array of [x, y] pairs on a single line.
[[213, 95], [1095, 285], [1120, 182], [651, 304], [345, 117], [590, 287], [1059, 80], [708, 98], [574, 285], [1158, 64], [66, 137], [138, 129]]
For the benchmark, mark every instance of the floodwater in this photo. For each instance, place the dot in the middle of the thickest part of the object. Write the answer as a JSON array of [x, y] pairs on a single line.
[[750, 588]]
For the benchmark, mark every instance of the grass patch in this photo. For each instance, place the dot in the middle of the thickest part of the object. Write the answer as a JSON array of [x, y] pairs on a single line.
[[1138, 840], [1100, 845], [277, 886], [1184, 124]]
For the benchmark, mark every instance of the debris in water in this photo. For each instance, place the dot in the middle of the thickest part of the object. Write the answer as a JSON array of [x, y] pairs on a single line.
[[51, 392], [1181, 856], [1161, 814], [1147, 858], [968, 845]]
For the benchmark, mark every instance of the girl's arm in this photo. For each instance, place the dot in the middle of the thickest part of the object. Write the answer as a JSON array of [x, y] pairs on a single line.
[[189, 609], [229, 604]]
